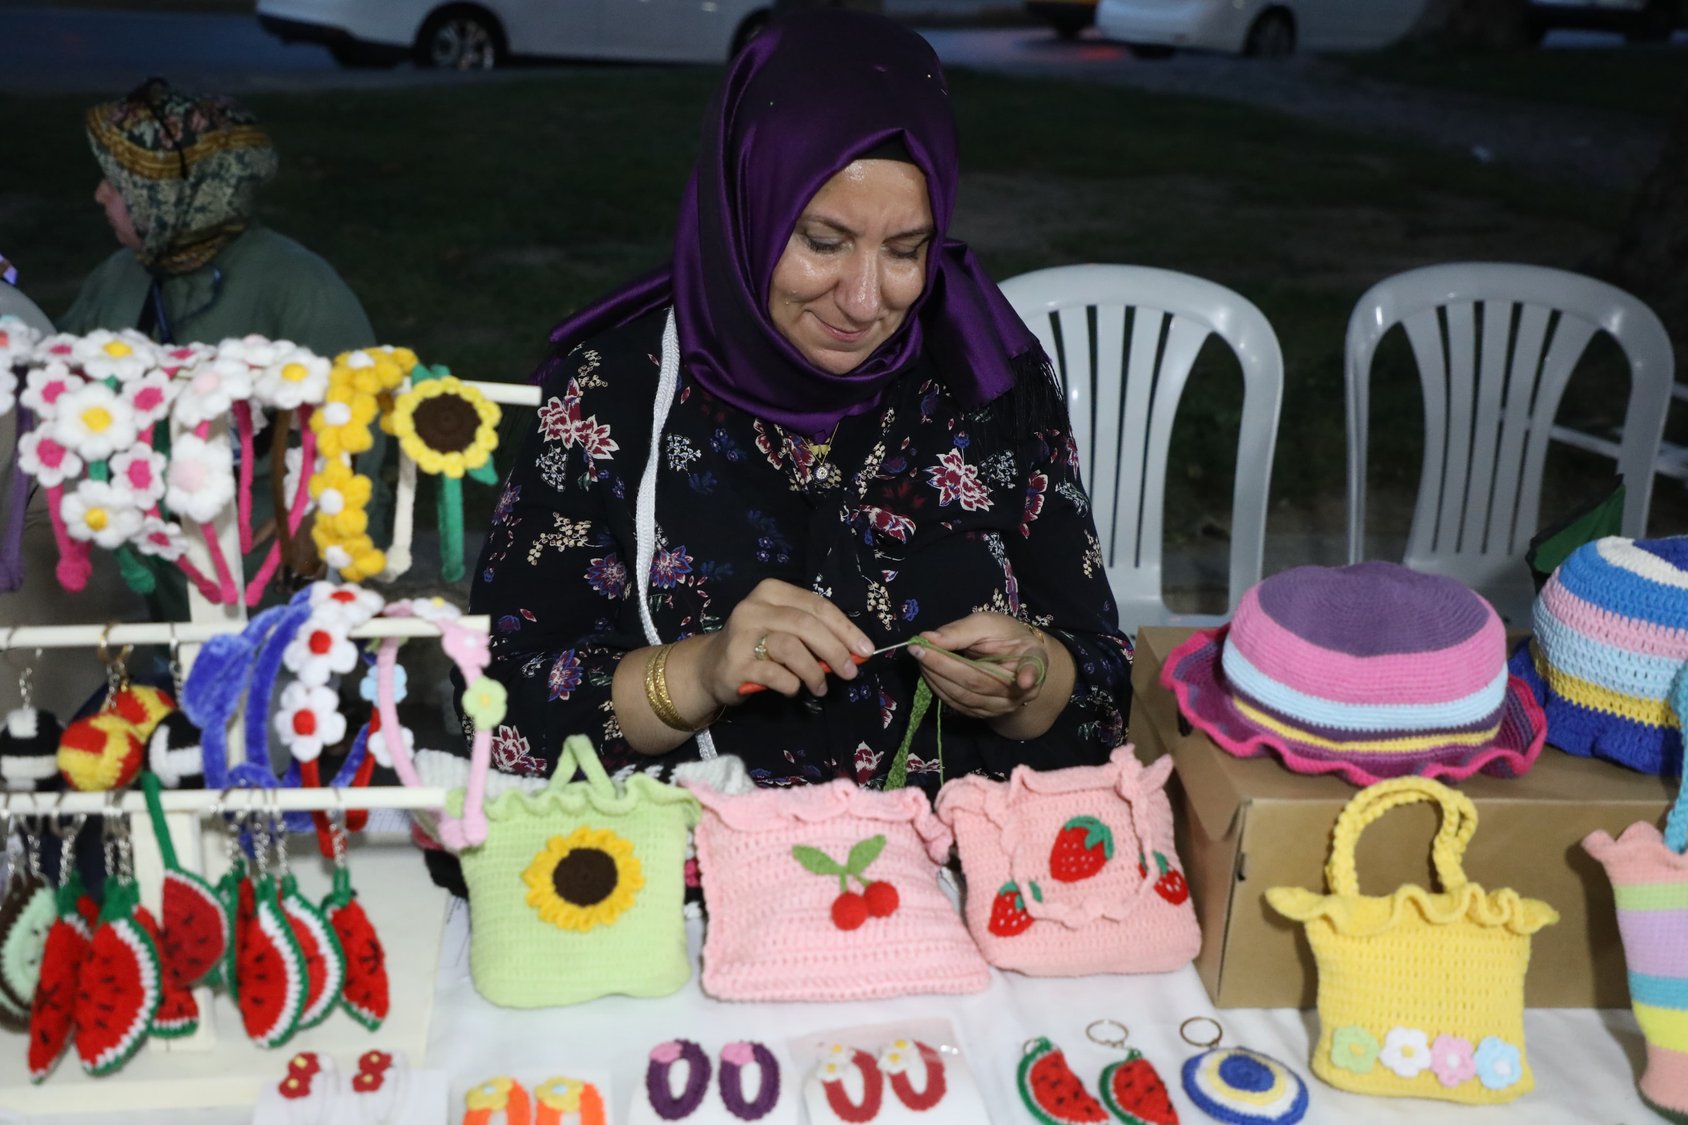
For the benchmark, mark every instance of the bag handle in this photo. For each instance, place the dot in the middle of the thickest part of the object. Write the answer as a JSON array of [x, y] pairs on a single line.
[[1447, 850], [579, 753]]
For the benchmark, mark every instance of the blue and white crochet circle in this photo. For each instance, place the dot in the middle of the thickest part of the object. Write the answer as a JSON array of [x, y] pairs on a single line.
[[1243, 1087]]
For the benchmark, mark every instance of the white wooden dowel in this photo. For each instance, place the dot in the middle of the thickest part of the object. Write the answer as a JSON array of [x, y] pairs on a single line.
[[509, 394], [197, 632], [229, 800]]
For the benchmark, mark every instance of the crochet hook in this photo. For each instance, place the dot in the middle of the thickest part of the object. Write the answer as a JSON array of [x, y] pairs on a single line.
[[748, 688]]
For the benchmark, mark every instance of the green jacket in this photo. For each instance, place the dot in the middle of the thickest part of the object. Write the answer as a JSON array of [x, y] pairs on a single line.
[[269, 285]]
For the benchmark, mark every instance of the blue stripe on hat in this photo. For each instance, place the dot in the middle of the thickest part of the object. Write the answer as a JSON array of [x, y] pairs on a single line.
[[1660, 992], [1285, 700], [1616, 669], [1592, 577]]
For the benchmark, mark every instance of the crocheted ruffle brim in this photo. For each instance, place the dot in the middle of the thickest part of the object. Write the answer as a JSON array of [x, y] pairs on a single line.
[[1589, 733], [1193, 672], [1364, 915]]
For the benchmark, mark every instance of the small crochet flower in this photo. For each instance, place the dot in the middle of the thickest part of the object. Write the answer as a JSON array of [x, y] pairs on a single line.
[[308, 719], [1354, 1048], [560, 1094], [160, 539], [319, 651], [1499, 1063], [341, 496], [255, 350], [898, 1057], [293, 379], [446, 426], [491, 1095], [293, 461], [17, 341], [149, 397], [44, 386], [200, 478], [95, 511], [353, 559], [57, 348], [121, 355], [210, 390], [94, 421], [484, 701], [1406, 1051], [1451, 1060], [377, 743], [342, 424], [183, 356], [139, 472], [435, 609], [347, 606], [370, 686], [43, 458]]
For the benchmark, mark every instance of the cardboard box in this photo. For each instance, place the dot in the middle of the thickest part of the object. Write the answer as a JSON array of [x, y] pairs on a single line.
[[1249, 824]]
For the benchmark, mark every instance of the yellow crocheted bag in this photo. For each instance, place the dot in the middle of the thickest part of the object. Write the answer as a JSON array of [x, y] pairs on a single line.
[[1421, 994]]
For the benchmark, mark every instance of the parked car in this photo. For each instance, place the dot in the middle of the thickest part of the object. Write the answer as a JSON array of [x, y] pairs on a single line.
[[1640, 21], [485, 33], [1067, 17], [1256, 27]]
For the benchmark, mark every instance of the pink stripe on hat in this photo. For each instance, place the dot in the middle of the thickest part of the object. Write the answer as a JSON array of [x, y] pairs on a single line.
[[1629, 633], [1407, 677]]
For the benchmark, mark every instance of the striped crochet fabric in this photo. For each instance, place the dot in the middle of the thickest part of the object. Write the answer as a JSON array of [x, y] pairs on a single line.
[[1371, 671], [1610, 638]]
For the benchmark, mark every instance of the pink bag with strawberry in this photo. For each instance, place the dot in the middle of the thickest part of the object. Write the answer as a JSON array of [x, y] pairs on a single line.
[[828, 892], [1073, 871]]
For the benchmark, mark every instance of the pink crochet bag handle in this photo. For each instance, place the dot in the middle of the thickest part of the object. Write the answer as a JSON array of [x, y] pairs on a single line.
[[1028, 857]]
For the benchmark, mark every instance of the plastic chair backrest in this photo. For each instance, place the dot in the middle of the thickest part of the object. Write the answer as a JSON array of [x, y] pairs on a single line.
[[1122, 393], [1495, 345]]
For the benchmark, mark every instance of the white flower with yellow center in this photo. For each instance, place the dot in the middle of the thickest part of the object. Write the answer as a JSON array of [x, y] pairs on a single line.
[[294, 380], [208, 391], [199, 482], [94, 421], [1406, 1051], [121, 355], [45, 385], [435, 609], [898, 1057], [138, 472], [97, 512]]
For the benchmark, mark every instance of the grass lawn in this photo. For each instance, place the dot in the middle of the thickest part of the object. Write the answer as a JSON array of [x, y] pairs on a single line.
[[471, 218]]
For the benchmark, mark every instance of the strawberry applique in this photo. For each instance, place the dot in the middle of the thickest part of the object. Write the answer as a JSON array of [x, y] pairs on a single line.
[[1008, 911], [1083, 846], [1171, 885]]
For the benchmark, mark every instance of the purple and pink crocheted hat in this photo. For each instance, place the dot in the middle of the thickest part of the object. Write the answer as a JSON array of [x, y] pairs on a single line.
[[1369, 671]]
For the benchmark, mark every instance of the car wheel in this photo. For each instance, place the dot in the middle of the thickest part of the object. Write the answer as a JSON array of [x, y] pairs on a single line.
[[753, 25], [1654, 23], [1272, 36], [460, 39]]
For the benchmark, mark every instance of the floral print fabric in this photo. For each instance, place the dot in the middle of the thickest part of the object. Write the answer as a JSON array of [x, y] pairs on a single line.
[[911, 520]]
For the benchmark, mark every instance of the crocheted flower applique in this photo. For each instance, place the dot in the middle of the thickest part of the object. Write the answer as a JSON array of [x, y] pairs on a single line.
[[1354, 1048], [877, 899], [1406, 1051], [1499, 1063], [1452, 1060], [585, 879]]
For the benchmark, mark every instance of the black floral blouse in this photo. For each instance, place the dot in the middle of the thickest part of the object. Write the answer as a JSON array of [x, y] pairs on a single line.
[[906, 524]]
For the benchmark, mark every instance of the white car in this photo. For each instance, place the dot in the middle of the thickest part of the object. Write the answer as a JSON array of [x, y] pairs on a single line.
[[1256, 27], [473, 36]]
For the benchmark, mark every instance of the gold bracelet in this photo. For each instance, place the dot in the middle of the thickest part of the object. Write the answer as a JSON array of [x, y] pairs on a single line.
[[656, 693]]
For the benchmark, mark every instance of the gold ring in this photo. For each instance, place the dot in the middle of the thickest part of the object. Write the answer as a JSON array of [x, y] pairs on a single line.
[[1184, 1032], [761, 649]]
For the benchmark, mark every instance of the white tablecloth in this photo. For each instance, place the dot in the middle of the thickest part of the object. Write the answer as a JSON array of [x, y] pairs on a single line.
[[1584, 1061]]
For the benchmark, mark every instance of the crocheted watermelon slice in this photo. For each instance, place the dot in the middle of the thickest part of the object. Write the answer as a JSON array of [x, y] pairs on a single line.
[[118, 991], [52, 1013], [234, 891], [364, 995], [270, 971], [325, 963], [1133, 1090], [178, 1011], [26, 914], [196, 929], [1052, 1092]]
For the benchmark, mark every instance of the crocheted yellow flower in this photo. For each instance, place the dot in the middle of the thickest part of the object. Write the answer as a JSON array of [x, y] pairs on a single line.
[[356, 558], [446, 426], [341, 496], [585, 879], [561, 1094], [342, 422], [493, 1094]]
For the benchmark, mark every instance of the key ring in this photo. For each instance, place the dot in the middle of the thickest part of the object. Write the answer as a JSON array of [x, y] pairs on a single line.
[[1115, 1042], [1218, 1032]]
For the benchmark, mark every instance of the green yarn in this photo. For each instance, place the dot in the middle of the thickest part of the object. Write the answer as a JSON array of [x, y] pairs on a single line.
[[448, 507], [136, 573], [897, 776]]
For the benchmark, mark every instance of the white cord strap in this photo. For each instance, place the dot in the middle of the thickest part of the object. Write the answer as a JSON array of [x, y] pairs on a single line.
[[644, 506]]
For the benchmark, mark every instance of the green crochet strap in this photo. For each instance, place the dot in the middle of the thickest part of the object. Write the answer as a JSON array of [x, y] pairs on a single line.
[[897, 776], [449, 507], [136, 573], [160, 829]]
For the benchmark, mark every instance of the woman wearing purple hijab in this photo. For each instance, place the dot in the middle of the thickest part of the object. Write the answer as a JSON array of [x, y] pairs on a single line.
[[819, 431]]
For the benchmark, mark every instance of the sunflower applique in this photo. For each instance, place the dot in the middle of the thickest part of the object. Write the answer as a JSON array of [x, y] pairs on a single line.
[[588, 878]]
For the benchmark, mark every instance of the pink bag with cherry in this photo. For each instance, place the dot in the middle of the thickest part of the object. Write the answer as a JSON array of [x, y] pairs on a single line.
[[1073, 871]]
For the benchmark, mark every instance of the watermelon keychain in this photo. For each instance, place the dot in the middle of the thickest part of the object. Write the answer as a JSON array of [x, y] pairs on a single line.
[[364, 995], [1240, 1086], [118, 990], [325, 962], [1131, 1088], [26, 914], [52, 1011], [194, 930], [1051, 1091], [269, 969]]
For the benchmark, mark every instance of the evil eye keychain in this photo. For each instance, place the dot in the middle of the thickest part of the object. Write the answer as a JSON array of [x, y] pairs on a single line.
[[1131, 1088], [1240, 1086]]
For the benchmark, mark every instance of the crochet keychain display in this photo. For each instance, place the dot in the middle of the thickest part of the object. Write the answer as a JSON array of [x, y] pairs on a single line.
[[1237, 1085], [1131, 1088]]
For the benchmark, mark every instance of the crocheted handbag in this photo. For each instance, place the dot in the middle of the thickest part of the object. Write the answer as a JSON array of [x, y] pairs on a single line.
[[828, 892], [577, 892], [1072, 871], [1421, 994], [1649, 874]]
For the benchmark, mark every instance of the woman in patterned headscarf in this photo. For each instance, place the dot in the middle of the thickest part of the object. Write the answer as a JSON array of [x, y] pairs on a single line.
[[182, 174]]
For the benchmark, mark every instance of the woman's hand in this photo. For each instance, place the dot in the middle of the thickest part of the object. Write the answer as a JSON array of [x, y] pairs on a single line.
[[1020, 693], [777, 637]]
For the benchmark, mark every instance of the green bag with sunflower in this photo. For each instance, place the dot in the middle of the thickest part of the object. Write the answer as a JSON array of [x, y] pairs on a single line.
[[578, 891]]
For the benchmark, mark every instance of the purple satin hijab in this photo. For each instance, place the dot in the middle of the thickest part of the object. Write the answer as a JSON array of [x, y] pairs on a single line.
[[813, 92]]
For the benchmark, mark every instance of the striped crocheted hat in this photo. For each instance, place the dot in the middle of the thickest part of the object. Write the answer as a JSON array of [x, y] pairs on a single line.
[[1369, 671], [1610, 638]]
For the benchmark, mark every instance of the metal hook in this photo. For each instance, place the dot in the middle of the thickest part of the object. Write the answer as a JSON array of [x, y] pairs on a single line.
[[175, 661], [117, 671]]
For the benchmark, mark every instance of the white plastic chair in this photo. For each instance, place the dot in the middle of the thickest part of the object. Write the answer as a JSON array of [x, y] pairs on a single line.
[[1122, 395], [1495, 345]]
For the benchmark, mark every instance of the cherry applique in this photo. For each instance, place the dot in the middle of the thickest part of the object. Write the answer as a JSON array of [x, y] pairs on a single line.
[[877, 898]]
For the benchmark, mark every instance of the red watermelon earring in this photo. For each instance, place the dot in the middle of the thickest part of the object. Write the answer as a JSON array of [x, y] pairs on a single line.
[[52, 1010], [26, 914], [325, 962], [119, 989], [193, 932], [269, 978], [1131, 1088], [364, 996]]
